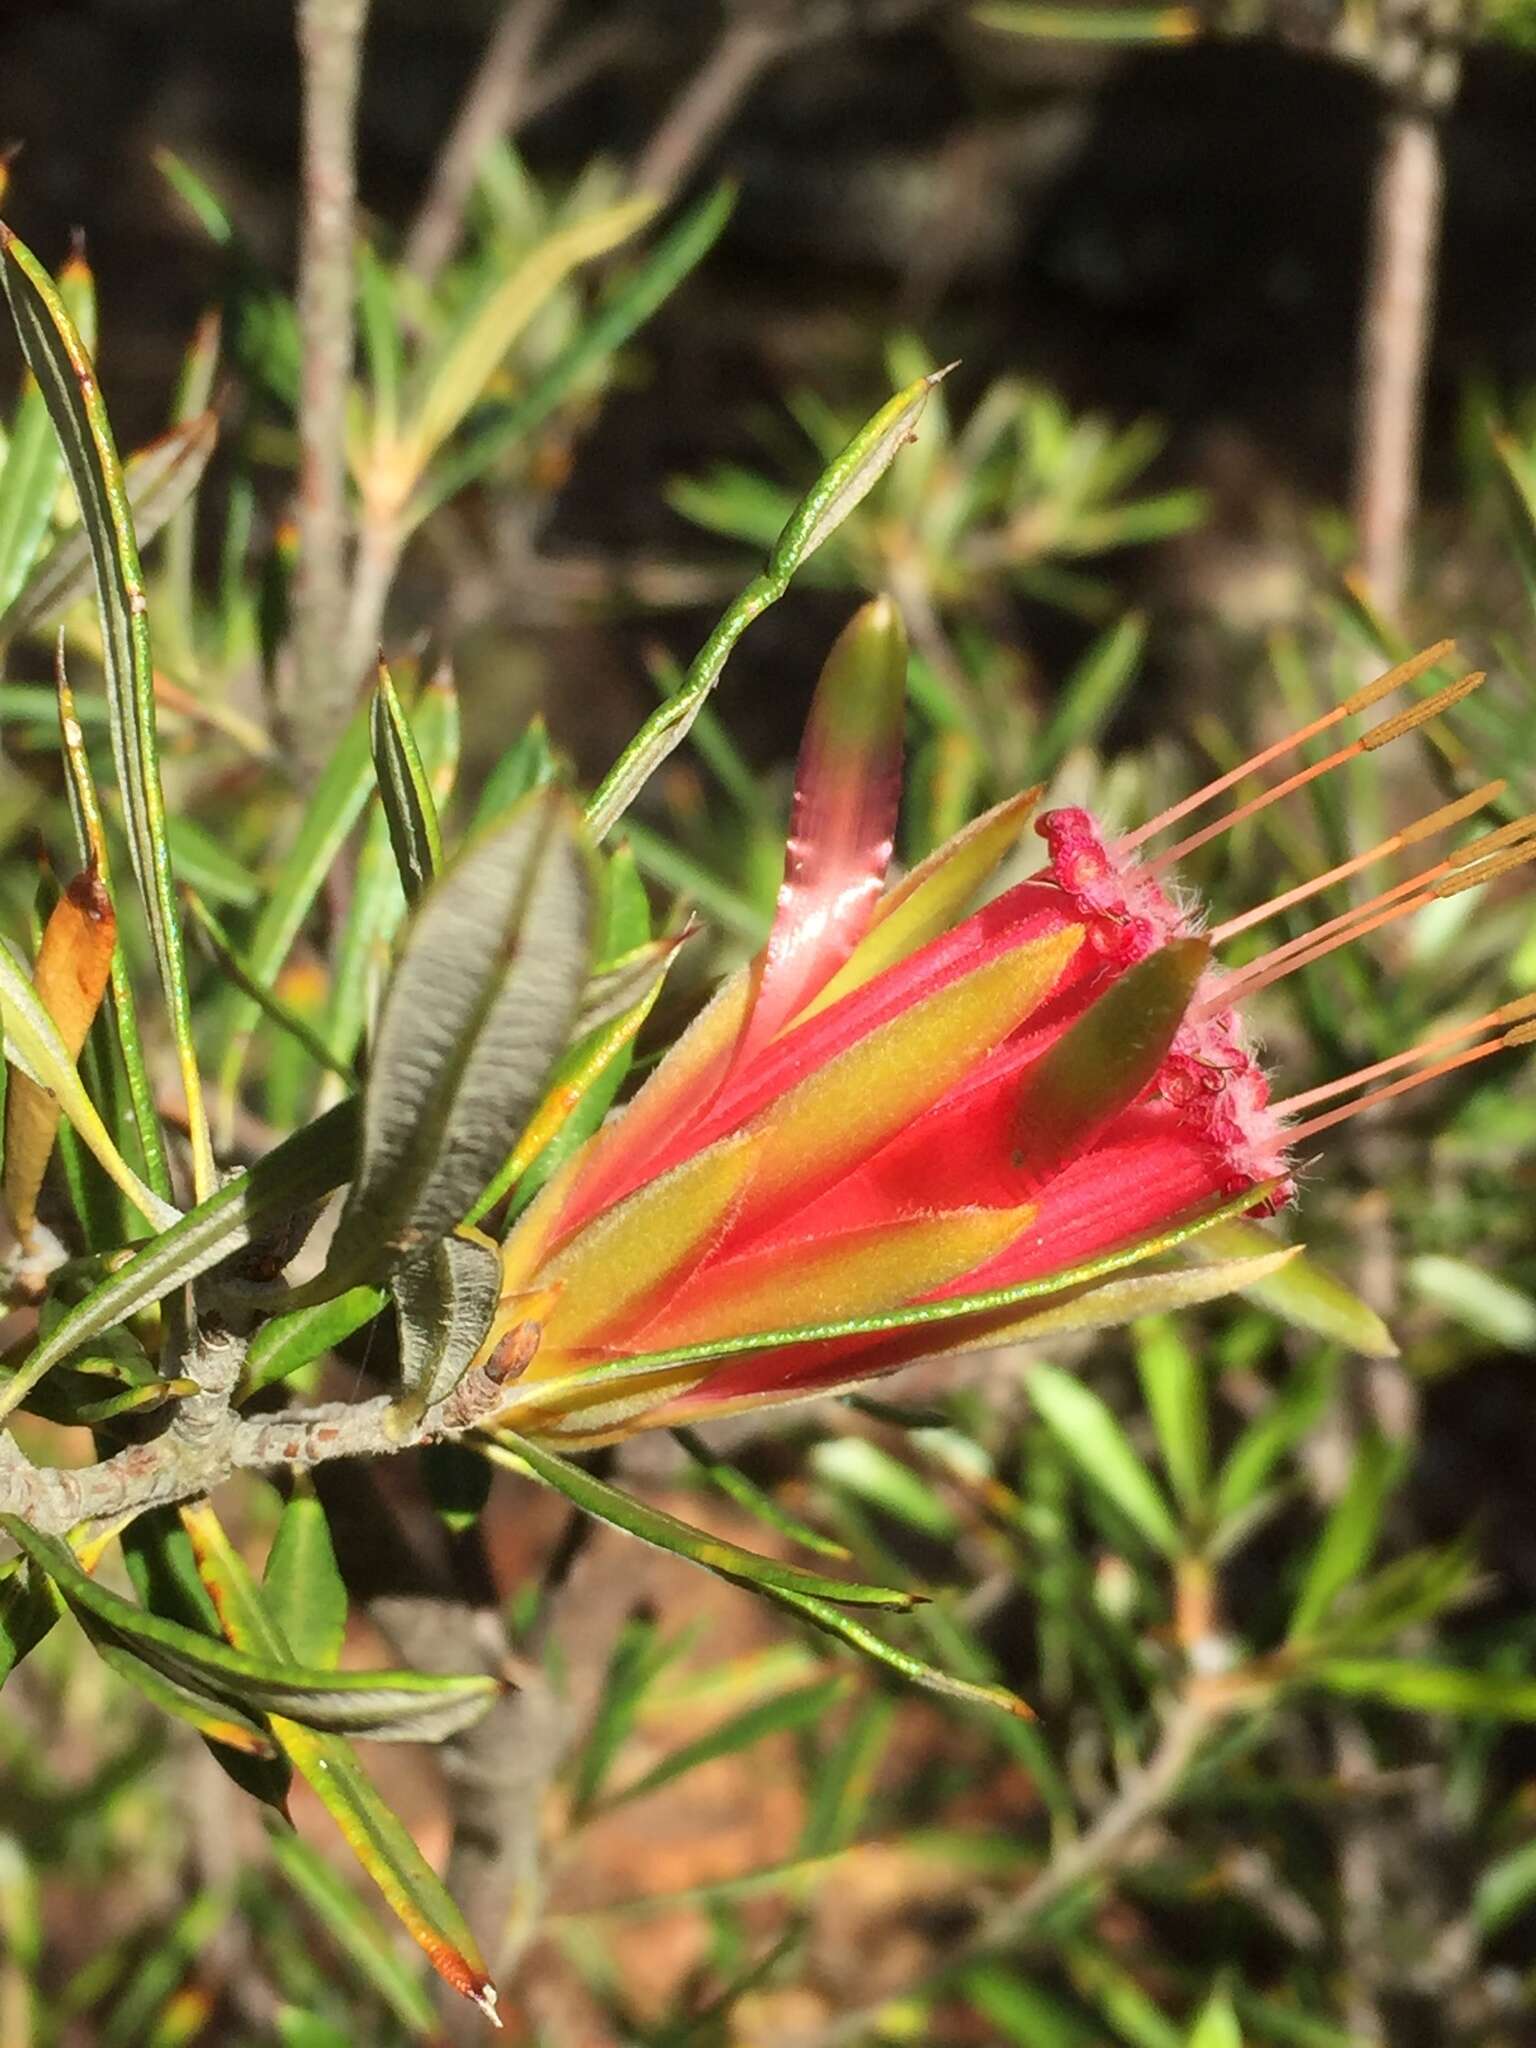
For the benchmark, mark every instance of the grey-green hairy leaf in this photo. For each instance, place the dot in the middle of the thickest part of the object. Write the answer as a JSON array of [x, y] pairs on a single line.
[[445, 1301], [482, 1001]]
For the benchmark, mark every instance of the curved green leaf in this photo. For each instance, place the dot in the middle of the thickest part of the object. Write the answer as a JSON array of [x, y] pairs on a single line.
[[58, 359], [1089, 1433], [386, 1706], [840, 487], [375, 1834], [655, 1526]]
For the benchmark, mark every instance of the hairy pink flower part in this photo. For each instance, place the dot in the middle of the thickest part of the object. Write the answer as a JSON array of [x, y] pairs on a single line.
[[1211, 1075]]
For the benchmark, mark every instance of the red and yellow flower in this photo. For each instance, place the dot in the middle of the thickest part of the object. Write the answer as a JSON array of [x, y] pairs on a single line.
[[898, 1106]]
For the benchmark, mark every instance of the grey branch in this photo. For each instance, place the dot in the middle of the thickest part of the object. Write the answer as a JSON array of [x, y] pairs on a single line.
[[330, 46], [208, 1441], [489, 112], [1418, 64]]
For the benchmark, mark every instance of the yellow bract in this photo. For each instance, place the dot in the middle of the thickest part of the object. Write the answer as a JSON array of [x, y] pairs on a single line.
[[858, 1273], [864, 1095], [611, 1267]]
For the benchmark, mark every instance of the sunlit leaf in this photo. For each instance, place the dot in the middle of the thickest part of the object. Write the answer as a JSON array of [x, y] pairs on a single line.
[[1092, 1437]]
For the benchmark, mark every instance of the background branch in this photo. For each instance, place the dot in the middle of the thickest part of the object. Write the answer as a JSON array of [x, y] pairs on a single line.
[[1402, 265], [330, 49], [488, 112]]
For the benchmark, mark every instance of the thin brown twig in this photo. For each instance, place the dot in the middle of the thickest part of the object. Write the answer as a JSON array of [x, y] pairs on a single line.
[[330, 48], [497, 95]]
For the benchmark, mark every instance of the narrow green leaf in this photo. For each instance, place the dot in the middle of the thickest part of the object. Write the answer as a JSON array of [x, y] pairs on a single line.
[[1092, 1438], [158, 480], [1303, 1293], [194, 394], [203, 863], [1174, 1385], [273, 1006], [1422, 1688], [386, 1706], [833, 1622], [528, 764], [839, 489], [342, 1914], [1217, 2026], [285, 1344], [653, 1525], [360, 959], [736, 1486], [800, 1708], [1024, 2013], [1404, 1594], [1092, 691], [1505, 1889], [302, 1584], [846, 482], [376, 1836], [288, 1180], [455, 383], [85, 811], [409, 809], [631, 305], [893, 1488], [844, 1777], [480, 1005], [1085, 24], [332, 809], [1269, 1437], [29, 484], [1478, 1300], [64, 373], [217, 1719], [1349, 1535], [1111, 1989], [29, 1607]]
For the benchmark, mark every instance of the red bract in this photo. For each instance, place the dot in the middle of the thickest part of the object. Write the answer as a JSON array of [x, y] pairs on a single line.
[[896, 1107]]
